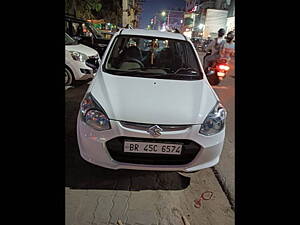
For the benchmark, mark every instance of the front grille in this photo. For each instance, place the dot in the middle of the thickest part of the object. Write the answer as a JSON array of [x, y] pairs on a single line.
[[93, 62], [85, 71], [145, 127], [116, 150]]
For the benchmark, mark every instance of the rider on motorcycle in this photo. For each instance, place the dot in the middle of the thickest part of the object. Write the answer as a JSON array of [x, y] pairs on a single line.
[[214, 46], [227, 49]]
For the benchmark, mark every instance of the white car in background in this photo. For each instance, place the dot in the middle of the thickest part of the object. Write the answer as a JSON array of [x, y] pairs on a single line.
[[81, 61], [151, 107]]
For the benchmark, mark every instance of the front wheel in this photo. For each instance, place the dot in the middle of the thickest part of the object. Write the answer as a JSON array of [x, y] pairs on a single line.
[[69, 77], [207, 54]]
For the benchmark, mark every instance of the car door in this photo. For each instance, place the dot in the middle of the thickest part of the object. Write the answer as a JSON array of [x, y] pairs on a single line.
[[68, 28]]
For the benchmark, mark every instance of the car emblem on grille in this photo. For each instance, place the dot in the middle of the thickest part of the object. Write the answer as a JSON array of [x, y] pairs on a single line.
[[155, 131]]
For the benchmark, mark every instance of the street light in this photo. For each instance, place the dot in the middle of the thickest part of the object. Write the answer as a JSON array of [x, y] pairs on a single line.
[[163, 14]]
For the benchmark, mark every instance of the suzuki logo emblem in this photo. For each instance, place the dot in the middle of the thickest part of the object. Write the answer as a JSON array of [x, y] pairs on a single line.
[[155, 131]]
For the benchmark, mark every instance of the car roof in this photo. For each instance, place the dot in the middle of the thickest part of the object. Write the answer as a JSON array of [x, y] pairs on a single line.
[[75, 19], [153, 33]]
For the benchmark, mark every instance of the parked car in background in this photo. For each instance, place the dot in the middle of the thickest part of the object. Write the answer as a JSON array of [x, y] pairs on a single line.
[[81, 62], [150, 107], [85, 33], [107, 34]]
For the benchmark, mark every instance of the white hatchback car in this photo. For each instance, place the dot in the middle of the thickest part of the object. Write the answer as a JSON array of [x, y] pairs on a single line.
[[150, 106], [81, 61]]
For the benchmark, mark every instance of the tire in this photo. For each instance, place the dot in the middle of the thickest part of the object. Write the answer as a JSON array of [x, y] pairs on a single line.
[[203, 60], [69, 77], [213, 79], [207, 54]]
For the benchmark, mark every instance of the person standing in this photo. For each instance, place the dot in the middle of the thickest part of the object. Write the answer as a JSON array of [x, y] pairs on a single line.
[[214, 46]]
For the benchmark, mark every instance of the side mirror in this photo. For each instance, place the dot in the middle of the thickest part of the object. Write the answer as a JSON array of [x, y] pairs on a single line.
[[77, 38], [210, 72]]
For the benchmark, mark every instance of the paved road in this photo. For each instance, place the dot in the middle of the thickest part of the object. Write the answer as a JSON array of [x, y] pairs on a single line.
[[96, 195], [225, 168]]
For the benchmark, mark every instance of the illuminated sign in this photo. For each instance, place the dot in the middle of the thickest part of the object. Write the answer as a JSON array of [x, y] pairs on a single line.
[[194, 9]]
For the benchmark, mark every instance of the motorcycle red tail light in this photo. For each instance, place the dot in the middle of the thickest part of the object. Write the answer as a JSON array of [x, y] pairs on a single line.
[[224, 67]]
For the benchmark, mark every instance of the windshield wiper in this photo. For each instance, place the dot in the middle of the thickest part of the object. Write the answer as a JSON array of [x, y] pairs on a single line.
[[193, 71], [139, 73], [129, 72], [171, 76], [180, 75], [147, 68]]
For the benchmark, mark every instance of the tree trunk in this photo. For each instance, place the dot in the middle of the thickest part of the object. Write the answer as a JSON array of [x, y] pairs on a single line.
[[231, 10], [74, 7], [218, 4]]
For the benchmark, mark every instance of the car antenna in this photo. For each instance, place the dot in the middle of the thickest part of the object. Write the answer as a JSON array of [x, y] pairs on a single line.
[[128, 26], [177, 31]]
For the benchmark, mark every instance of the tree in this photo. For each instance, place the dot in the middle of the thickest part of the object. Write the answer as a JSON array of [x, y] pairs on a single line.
[[84, 9], [109, 10], [112, 11]]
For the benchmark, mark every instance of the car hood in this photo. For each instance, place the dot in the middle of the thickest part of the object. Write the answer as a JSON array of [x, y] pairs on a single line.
[[82, 49], [153, 101]]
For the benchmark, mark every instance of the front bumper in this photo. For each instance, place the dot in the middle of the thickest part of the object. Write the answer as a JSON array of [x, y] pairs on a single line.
[[93, 148], [82, 71]]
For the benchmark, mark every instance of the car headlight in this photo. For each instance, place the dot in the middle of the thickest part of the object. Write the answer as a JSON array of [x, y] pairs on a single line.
[[93, 114], [78, 56], [215, 121]]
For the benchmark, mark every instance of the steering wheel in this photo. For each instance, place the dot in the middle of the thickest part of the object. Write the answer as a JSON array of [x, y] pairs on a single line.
[[134, 60]]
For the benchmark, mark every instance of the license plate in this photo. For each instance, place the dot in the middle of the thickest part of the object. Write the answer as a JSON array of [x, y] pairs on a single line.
[[156, 148], [220, 74]]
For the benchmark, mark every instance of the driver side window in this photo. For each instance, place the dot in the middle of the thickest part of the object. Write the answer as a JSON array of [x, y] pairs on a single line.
[[80, 30], [76, 29], [86, 31]]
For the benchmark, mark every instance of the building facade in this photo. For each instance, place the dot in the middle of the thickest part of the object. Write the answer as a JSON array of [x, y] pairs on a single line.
[[231, 16], [167, 20], [202, 17]]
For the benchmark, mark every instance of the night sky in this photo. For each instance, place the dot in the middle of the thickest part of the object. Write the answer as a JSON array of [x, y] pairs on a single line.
[[151, 7]]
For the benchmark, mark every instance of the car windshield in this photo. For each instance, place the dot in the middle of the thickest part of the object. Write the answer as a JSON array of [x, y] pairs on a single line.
[[69, 40], [153, 57]]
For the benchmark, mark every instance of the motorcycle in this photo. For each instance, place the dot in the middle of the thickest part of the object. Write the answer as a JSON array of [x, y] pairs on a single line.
[[217, 71], [204, 45]]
